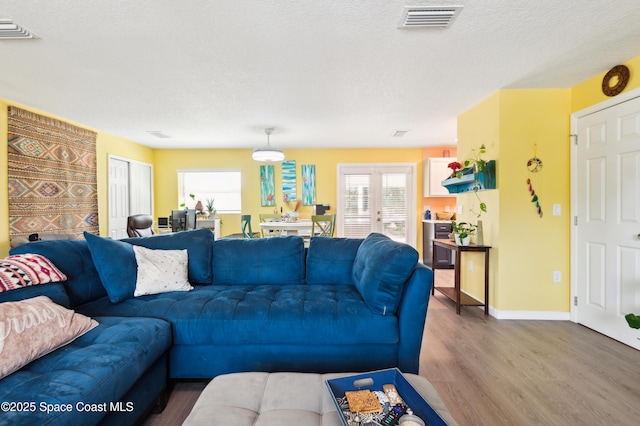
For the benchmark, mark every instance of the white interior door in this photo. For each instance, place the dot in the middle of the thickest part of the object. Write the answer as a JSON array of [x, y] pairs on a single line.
[[118, 198], [130, 192], [140, 184], [608, 216], [377, 198]]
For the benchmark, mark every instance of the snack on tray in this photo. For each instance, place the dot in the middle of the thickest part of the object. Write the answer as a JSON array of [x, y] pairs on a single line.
[[363, 401]]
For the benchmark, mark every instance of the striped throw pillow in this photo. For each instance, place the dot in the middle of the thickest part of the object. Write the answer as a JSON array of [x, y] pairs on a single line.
[[23, 270]]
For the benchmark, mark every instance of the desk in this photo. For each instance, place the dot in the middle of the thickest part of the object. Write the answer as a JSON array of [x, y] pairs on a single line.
[[454, 293], [212, 224], [301, 227]]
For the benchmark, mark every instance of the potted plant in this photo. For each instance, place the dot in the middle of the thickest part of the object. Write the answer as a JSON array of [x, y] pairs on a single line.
[[477, 163], [210, 208], [193, 198], [633, 321], [462, 232]]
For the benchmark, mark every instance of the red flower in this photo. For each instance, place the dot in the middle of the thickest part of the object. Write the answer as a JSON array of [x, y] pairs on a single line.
[[454, 166]]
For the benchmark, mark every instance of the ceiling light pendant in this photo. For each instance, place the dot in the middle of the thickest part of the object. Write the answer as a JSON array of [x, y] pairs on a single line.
[[267, 153]]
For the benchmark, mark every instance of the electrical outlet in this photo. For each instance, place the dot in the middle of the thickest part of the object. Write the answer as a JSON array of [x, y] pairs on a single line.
[[470, 266], [460, 209], [557, 277]]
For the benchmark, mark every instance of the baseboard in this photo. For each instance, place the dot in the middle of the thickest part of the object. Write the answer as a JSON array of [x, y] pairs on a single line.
[[530, 315]]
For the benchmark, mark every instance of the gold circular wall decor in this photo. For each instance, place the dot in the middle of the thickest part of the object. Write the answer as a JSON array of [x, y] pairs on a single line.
[[621, 75]]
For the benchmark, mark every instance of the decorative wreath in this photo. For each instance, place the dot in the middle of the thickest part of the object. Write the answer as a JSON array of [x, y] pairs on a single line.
[[622, 73]]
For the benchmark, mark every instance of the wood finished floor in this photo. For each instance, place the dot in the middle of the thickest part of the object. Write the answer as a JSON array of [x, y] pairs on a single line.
[[507, 372]]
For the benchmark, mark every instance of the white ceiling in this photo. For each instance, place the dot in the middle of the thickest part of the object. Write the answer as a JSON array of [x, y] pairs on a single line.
[[324, 73]]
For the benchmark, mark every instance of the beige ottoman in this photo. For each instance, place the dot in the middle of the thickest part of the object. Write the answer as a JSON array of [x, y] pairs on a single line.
[[282, 399]]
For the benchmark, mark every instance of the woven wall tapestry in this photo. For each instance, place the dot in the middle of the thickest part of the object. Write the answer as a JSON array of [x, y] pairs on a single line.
[[52, 176]]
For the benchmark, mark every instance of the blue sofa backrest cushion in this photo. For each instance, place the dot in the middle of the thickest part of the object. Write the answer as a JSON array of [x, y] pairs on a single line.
[[380, 271], [330, 260], [54, 291], [197, 242], [115, 260], [73, 258], [275, 260]]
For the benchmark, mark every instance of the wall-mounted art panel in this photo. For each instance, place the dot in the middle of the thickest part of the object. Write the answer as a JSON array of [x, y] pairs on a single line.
[[308, 184], [267, 185]]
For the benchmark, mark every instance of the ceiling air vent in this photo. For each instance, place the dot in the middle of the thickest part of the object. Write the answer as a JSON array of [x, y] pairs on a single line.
[[159, 134], [9, 30], [429, 16], [399, 133]]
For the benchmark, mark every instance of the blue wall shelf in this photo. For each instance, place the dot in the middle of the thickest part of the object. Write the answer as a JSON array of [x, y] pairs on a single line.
[[485, 179]]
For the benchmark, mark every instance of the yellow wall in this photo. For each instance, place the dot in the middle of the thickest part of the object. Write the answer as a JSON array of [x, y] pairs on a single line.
[[589, 92], [168, 161], [105, 144], [481, 125], [526, 248]]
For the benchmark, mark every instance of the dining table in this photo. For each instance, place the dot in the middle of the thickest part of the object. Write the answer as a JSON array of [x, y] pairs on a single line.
[[293, 227]]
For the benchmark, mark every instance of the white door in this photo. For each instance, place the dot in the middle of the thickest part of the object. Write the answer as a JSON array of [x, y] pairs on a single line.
[[377, 198], [118, 198], [130, 192], [608, 217], [140, 184]]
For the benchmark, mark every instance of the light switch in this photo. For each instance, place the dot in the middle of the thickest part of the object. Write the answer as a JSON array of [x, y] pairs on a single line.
[[557, 210]]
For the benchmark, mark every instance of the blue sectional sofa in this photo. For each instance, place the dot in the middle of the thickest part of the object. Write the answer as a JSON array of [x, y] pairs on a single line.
[[256, 305]]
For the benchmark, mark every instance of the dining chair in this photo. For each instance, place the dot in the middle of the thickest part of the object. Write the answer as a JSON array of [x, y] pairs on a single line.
[[245, 224], [325, 224], [270, 217]]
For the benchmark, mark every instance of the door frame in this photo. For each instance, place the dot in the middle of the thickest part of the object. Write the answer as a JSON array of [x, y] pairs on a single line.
[[575, 117], [411, 208]]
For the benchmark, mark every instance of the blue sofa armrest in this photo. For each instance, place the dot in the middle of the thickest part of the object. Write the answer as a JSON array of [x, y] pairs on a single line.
[[412, 314]]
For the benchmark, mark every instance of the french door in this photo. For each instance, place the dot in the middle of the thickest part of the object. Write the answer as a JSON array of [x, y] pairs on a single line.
[[607, 185], [377, 198]]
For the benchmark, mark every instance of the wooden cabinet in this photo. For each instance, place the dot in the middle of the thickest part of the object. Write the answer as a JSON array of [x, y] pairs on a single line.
[[442, 256], [435, 170]]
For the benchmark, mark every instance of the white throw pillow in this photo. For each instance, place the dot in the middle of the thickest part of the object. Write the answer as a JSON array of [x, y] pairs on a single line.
[[161, 271]]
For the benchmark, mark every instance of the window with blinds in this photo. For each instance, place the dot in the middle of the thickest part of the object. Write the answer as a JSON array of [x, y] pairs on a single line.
[[224, 187], [357, 213]]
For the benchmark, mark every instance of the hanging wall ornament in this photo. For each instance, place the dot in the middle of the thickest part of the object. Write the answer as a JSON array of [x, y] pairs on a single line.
[[534, 197], [534, 165]]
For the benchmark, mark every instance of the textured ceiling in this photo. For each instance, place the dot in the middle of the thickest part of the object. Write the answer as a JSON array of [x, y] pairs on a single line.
[[324, 73]]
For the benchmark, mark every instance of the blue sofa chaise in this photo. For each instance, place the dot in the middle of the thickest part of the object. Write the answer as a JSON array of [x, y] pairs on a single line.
[[257, 304]]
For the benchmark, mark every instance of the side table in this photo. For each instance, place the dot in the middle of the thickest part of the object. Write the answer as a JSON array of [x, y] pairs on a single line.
[[454, 293]]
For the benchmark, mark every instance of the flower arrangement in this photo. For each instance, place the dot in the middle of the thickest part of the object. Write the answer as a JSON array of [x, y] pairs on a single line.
[[454, 166]]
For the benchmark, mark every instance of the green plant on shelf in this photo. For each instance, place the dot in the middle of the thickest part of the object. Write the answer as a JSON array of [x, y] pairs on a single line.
[[463, 229]]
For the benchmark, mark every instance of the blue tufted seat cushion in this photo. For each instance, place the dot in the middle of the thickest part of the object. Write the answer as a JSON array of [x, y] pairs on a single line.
[[100, 366], [255, 314]]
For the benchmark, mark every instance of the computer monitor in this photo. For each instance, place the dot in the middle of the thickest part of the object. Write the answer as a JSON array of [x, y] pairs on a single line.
[[163, 222], [178, 220], [191, 219]]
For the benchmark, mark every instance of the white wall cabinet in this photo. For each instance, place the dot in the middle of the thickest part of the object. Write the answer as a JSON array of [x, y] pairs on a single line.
[[435, 170]]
